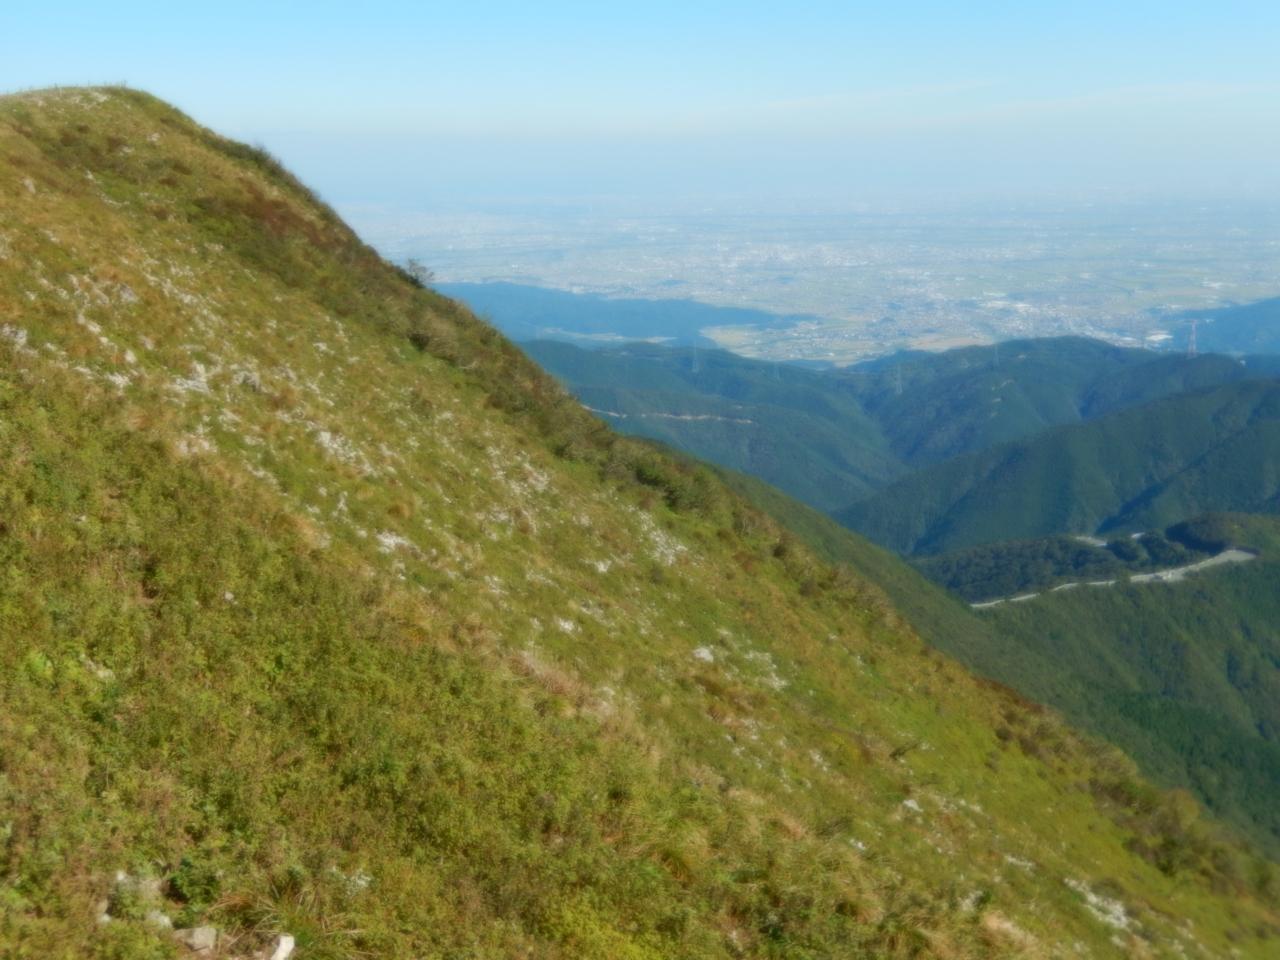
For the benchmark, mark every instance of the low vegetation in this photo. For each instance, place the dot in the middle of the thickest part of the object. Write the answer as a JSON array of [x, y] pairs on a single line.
[[325, 612], [1182, 676]]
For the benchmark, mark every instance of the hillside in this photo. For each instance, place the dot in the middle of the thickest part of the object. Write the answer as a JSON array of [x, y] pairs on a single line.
[[1241, 328], [1142, 468], [327, 613], [832, 437], [1012, 567], [936, 406], [790, 426], [936, 453], [1185, 678]]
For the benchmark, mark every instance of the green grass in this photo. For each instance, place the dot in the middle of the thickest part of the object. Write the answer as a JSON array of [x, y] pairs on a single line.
[[1181, 677], [330, 612]]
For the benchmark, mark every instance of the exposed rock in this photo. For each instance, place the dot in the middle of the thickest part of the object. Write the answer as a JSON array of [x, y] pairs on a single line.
[[284, 947], [199, 939], [132, 894], [146, 889]]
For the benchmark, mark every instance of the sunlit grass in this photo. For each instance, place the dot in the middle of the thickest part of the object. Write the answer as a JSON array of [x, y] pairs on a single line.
[[326, 609]]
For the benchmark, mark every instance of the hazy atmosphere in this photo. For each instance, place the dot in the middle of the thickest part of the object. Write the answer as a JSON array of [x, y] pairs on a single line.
[[921, 175], [831, 103]]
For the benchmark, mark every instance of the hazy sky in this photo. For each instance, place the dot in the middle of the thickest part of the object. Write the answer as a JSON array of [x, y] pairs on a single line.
[[426, 103]]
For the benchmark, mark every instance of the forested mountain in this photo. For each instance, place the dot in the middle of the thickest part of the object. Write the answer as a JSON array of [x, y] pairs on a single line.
[[1146, 467], [324, 611], [793, 427], [1244, 328], [932, 407], [1010, 567], [929, 453], [935, 407]]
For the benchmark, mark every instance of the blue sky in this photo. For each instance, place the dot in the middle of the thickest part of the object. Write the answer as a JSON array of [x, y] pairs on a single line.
[[839, 102]]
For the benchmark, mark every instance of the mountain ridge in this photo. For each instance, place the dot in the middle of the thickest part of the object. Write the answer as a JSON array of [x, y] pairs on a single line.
[[1134, 469], [834, 437]]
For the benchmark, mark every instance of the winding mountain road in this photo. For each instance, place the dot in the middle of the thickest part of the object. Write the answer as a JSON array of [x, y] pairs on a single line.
[[1171, 575]]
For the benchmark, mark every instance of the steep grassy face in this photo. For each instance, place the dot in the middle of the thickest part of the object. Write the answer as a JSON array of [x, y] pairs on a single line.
[[1183, 677], [325, 610], [1186, 676]]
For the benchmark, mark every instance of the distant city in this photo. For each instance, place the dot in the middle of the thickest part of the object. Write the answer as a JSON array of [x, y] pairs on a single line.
[[867, 283]]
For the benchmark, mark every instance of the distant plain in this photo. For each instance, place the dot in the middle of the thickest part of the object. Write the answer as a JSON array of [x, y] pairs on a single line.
[[847, 285]]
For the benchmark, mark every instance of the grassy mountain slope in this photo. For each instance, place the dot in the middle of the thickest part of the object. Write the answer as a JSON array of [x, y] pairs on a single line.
[[330, 612], [782, 423], [1185, 678], [948, 622], [1149, 466]]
